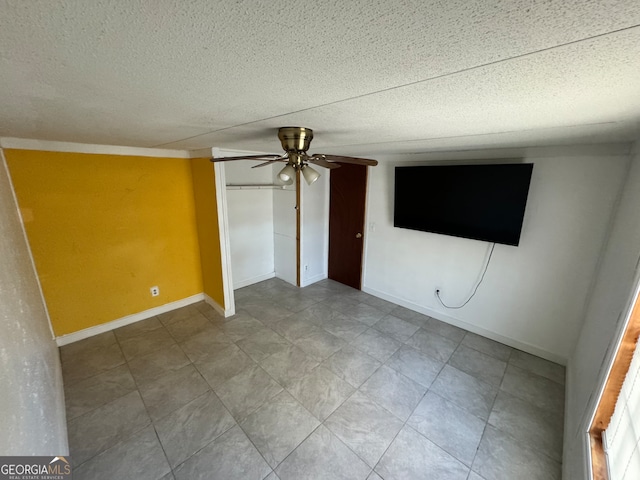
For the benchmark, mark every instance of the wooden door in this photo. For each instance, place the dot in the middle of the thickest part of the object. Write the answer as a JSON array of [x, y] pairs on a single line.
[[348, 191]]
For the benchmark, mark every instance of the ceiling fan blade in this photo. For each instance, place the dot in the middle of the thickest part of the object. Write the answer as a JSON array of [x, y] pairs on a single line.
[[270, 162], [247, 157], [341, 159], [323, 163]]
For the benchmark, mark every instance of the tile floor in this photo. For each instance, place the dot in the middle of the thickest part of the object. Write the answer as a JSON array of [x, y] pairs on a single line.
[[322, 382]]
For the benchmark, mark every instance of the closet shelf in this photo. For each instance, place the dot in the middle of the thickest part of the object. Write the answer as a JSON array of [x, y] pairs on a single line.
[[254, 186]]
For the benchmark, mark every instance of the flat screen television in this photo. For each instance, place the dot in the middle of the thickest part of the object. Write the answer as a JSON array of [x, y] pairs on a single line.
[[482, 202]]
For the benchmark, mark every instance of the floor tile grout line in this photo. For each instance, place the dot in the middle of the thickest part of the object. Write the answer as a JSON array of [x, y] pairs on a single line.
[[398, 433], [527, 444], [240, 373], [140, 333], [155, 430], [563, 385], [350, 449], [112, 445], [487, 421], [238, 424], [455, 405], [173, 335], [474, 375], [536, 375], [321, 424], [173, 411], [406, 424], [430, 355], [391, 413], [301, 442], [475, 455], [69, 419], [173, 470], [493, 387], [209, 391], [462, 344], [524, 445], [501, 430], [117, 342], [365, 380], [141, 399], [95, 374], [146, 408]]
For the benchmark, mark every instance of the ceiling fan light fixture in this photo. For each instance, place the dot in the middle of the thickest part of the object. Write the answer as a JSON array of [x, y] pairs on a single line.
[[287, 174], [310, 175]]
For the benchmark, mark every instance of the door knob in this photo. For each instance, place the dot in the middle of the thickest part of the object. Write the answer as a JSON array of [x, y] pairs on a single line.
[[358, 235]]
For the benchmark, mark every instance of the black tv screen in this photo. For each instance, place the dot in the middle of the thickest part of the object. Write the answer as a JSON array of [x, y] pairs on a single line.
[[482, 202]]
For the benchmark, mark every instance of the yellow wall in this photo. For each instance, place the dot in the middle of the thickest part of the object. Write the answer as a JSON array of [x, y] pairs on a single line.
[[103, 229], [204, 191]]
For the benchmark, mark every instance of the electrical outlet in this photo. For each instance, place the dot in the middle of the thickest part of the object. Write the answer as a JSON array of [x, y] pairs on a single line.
[[155, 291], [306, 267]]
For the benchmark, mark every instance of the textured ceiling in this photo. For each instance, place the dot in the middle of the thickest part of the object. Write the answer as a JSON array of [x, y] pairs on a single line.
[[368, 76]]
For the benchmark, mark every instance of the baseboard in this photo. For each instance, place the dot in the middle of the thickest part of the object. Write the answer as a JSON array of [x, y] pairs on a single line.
[[216, 306], [525, 347], [129, 319], [252, 280], [311, 280]]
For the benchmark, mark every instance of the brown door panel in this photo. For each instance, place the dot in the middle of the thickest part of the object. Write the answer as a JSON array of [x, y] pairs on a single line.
[[348, 192]]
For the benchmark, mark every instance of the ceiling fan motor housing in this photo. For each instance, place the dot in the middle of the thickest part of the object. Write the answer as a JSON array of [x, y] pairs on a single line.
[[295, 139]]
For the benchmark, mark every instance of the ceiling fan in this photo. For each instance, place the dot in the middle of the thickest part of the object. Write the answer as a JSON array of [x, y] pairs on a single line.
[[295, 142]]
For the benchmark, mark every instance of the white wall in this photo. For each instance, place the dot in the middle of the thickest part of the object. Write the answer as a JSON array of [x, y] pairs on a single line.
[[32, 419], [250, 217], [284, 232], [605, 315], [533, 295], [315, 229]]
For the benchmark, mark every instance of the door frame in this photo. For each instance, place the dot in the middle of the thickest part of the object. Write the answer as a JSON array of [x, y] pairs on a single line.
[[223, 230], [365, 230]]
